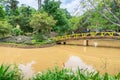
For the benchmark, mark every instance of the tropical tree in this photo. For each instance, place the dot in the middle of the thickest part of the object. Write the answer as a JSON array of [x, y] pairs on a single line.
[[83, 23], [13, 6], [42, 24], [5, 28], [52, 7], [23, 19], [2, 13], [109, 9]]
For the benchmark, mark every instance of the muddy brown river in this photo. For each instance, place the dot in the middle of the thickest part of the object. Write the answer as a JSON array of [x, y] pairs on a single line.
[[103, 59]]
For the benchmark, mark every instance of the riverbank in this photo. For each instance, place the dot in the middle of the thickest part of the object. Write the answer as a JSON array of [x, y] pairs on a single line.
[[111, 43], [25, 46], [22, 41]]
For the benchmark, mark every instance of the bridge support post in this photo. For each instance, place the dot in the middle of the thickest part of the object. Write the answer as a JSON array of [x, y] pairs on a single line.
[[64, 43], [85, 43]]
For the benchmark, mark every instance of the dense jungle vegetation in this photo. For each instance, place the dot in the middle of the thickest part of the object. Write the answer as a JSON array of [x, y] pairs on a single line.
[[51, 20], [24, 24]]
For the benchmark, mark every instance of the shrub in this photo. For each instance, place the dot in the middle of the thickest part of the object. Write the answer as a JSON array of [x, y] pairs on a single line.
[[9, 73], [55, 74], [66, 74], [17, 31], [13, 73], [39, 37], [42, 22], [5, 28]]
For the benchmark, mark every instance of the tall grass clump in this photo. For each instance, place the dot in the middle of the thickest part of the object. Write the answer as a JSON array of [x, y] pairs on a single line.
[[66, 74], [55, 74], [8, 72]]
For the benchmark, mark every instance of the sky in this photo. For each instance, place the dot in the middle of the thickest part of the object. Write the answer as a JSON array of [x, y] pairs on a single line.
[[70, 5]]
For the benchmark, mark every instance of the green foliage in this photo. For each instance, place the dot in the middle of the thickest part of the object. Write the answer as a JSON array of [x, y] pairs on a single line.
[[12, 7], [51, 17], [74, 21], [17, 31], [52, 7], [118, 76], [24, 23], [2, 13], [62, 24], [12, 20], [39, 37], [5, 28], [99, 22], [80, 24], [13, 73], [56, 74], [9, 73], [104, 13], [23, 19], [42, 23], [66, 74], [26, 11], [93, 18]]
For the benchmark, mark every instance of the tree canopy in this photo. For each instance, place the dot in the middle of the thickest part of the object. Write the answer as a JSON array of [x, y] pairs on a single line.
[[100, 15]]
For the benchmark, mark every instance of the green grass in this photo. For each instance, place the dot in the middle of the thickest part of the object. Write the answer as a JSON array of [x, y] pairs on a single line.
[[65, 74], [33, 44], [8, 72]]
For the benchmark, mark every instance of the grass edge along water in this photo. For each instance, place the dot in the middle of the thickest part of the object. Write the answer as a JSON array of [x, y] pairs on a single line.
[[11, 72]]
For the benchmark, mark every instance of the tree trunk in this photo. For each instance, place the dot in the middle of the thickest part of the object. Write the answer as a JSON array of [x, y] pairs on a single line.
[[39, 4]]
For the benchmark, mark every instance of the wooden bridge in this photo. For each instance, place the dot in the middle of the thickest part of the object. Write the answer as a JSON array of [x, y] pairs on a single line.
[[87, 36]]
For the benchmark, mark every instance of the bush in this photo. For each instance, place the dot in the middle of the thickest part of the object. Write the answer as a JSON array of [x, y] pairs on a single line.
[[55, 74], [17, 31], [39, 37], [5, 28], [66, 74], [42, 23], [13, 73], [9, 73]]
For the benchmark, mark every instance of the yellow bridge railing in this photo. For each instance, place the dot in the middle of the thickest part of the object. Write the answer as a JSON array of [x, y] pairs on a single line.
[[84, 35]]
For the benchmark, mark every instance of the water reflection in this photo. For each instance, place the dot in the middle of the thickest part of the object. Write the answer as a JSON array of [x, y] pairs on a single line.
[[85, 49], [95, 44], [27, 70], [74, 62]]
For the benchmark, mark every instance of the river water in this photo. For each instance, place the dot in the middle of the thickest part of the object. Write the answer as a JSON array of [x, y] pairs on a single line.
[[103, 59]]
